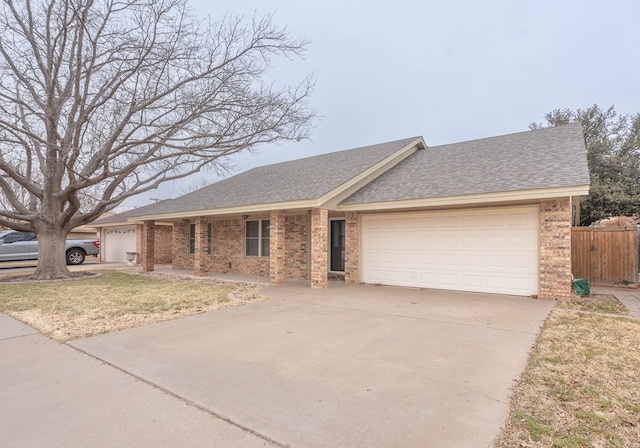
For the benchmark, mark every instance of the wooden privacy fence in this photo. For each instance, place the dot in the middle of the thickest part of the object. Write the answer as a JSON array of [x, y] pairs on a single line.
[[606, 256]]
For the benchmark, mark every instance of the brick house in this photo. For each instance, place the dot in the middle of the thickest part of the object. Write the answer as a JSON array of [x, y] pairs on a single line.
[[492, 215]]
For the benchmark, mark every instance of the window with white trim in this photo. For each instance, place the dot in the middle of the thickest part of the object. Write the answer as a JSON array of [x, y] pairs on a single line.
[[192, 238], [257, 238]]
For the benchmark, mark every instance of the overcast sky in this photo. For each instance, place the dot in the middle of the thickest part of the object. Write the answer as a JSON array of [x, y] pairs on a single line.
[[448, 70]]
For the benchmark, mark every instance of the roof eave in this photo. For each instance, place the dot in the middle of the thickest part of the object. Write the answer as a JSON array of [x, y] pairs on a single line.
[[241, 209], [471, 199]]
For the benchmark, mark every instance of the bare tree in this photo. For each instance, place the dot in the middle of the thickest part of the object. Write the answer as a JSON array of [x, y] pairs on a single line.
[[102, 100]]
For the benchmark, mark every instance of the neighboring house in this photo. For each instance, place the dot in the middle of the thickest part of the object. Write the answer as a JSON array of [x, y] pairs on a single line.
[[491, 215], [119, 235]]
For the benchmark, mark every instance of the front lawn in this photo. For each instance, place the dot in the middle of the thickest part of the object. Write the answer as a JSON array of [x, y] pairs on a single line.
[[581, 387], [114, 301]]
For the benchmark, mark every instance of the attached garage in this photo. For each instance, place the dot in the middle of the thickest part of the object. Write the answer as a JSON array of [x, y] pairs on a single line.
[[117, 241], [482, 250]]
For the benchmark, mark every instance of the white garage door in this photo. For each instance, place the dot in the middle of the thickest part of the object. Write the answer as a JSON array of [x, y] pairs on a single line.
[[482, 250], [118, 241]]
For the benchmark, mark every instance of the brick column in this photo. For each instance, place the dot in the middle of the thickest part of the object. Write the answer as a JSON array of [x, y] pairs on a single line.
[[180, 247], [352, 248], [139, 234], [277, 255], [319, 248], [201, 263], [148, 253], [555, 249]]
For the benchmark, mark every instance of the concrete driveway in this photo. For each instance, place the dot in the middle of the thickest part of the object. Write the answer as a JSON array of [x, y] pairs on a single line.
[[347, 366]]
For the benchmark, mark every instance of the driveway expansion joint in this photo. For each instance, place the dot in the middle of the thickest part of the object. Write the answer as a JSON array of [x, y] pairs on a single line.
[[19, 336], [181, 398]]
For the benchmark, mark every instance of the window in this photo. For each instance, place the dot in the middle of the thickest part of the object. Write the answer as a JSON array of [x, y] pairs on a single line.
[[192, 238], [16, 237], [257, 238]]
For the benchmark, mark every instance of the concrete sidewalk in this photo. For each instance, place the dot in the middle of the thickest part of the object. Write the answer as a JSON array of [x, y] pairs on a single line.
[[52, 395]]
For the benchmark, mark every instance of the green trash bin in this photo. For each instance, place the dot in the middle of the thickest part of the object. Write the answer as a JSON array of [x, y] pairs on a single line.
[[581, 287]]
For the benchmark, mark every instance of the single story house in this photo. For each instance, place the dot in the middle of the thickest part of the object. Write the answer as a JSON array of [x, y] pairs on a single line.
[[492, 215]]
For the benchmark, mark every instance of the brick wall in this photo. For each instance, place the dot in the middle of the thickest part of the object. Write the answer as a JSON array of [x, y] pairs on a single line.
[[296, 246], [352, 248], [163, 244], [227, 251], [555, 249], [277, 253], [182, 260], [228, 248]]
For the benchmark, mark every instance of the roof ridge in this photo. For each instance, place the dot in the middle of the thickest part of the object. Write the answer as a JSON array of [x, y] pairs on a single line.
[[330, 153], [550, 128]]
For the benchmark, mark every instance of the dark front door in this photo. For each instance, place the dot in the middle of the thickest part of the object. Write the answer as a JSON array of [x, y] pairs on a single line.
[[337, 246]]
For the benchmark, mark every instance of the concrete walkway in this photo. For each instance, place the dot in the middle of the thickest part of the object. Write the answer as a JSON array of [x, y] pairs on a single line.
[[628, 297]]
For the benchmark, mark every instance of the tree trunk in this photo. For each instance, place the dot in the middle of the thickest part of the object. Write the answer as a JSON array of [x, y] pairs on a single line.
[[52, 263]]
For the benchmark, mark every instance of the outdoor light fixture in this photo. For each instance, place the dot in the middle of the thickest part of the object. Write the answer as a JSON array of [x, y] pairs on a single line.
[[245, 217]]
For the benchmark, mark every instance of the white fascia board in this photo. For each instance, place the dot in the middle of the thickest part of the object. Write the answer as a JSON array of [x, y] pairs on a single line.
[[239, 210], [509, 196]]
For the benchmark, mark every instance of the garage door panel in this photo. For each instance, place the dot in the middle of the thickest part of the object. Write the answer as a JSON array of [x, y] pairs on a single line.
[[472, 260], [473, 250], [471, 281]]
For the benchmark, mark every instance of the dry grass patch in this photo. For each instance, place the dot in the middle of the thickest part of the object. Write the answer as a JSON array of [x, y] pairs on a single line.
[[581, 387], [112, 302]]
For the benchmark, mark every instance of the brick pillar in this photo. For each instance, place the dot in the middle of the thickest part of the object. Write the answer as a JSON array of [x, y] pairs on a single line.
[[139, 234], [277, 256], [201, 262], [148, 253], [319, 248], [352, 248], [180, 246], [555, 249]]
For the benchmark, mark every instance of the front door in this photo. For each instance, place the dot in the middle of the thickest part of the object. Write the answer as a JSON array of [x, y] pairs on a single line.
[[337, 246]]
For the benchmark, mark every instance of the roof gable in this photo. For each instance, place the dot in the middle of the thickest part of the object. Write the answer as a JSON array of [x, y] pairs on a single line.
[[308, 179], [531, 160]]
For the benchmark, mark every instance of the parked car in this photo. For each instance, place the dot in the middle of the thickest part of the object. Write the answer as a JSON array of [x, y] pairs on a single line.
[[16, 246]]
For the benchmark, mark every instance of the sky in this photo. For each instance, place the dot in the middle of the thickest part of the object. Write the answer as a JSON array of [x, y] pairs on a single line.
[[449, 71]]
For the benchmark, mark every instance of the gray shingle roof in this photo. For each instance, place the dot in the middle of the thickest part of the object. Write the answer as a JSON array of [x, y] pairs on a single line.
[[302, 179], [543, 158], [122, 217]]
